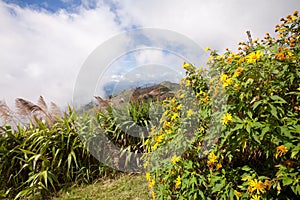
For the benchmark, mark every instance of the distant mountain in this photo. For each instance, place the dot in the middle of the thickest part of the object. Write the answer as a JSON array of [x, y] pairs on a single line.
[[154, 92], [146, 92], [114, 87]]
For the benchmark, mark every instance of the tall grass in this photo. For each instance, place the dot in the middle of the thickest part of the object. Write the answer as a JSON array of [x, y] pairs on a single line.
[[53, 152], [40, 159]]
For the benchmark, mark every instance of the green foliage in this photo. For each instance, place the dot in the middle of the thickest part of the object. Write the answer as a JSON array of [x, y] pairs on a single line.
[[41, 159], [246, 141], [127, 127]]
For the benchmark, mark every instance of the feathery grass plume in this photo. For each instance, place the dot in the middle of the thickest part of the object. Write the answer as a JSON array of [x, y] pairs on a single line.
[[42, 104], [5, 113], [27, 109], [39, 111], [46, 114], [54, 110]]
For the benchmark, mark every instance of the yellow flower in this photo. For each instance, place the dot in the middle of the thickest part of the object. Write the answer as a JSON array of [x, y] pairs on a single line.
[[280, 56], [199, 94], [151, 184], [298, 88], [175, 159], [280, 150], [186, 65], [148, 176], [212, 157], [178, 182], [237, 72], [207, 48], [256, 185], [289, 54], [155, 146], [188, 83], [291, 18], [166, 125], [159, 138], [226, 118], [227, 82], [174, 116], [224, 77], [255, 197], [190, 112], [241, 60], [218, 166], [173, 100], [179, 107], [182, 96], [153, 194], [210, 164], [146, 164], [254, 56]]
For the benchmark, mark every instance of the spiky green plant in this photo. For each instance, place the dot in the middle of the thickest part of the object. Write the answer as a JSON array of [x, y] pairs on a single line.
[[40, 159]]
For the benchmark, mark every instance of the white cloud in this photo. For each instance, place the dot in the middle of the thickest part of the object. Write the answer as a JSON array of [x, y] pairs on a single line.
[[217, 23], [41, 52]]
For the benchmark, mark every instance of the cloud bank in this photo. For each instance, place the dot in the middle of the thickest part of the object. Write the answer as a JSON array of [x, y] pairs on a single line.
[[42, 51]]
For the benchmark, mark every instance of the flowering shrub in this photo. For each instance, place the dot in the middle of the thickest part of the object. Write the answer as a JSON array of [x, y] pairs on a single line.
[[245, 142]]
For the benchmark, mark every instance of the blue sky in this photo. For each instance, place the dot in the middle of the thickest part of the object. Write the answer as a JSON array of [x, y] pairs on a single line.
[[44, 44], [50, 5]]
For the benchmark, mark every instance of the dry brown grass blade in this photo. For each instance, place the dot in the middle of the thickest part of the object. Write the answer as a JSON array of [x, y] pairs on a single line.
[[5, 112], [42, 104]]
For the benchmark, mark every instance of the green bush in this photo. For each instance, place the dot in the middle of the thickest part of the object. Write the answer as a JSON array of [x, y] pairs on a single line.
[[41, 159], [246, 140]]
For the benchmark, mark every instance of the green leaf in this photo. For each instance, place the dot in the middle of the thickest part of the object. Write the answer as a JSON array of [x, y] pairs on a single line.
[[287, 181], [257, 103], [246, 168], [273, 111], [265, 130], [218, 187], [250, 114], [255, 136], [277, 99], [294, 153]]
